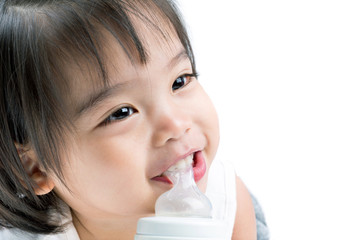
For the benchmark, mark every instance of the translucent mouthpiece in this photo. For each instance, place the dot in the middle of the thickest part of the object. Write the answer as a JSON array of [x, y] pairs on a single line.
[[184, 199]]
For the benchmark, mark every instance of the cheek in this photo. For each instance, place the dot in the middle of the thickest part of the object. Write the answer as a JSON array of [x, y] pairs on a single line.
[[105, 174], [207, 119]]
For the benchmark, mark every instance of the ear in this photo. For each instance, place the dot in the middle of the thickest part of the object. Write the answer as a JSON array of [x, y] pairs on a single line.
[[41, 182]]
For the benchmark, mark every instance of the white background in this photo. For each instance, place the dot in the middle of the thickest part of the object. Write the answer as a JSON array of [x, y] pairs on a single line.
[[285, 79]]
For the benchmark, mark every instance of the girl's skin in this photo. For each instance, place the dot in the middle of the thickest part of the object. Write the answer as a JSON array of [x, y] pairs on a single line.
[[110, 168]]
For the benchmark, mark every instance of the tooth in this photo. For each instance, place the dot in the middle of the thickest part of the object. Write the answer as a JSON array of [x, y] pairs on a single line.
[[181, 164], [172, 168], [189, 159], [178, 164]]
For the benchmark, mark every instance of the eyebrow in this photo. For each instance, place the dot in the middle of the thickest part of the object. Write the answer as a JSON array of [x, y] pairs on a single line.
[[95, 99], [182, 55]]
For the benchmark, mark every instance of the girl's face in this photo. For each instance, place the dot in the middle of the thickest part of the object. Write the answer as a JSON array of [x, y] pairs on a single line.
[[127, 135]]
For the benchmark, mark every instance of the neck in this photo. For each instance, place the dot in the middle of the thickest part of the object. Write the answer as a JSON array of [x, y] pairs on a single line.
[[121, 228]]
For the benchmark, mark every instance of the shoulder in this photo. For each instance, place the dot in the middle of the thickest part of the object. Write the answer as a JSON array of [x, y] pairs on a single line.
[[245, 221]]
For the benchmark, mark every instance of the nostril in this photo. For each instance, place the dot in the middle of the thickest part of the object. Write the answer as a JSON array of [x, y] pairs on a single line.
[[170, 125], [165, 135]]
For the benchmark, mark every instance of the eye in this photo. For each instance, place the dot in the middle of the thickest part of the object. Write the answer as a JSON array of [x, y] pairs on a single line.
[[119, 115], [182, 81]]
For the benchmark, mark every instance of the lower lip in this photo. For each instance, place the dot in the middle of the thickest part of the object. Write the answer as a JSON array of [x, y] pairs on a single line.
[[199, 169]]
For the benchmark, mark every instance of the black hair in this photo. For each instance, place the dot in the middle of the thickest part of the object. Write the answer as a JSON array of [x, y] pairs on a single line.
[[36, 38]]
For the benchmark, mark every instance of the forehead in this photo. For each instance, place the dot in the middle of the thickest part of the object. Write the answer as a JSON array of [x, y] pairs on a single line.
[[162, 50], [159, 49]]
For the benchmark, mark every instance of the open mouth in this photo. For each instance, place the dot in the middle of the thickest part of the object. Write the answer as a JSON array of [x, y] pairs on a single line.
[[196, 160]]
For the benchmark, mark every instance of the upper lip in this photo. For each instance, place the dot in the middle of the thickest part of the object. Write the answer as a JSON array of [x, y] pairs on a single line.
[[175, 160]]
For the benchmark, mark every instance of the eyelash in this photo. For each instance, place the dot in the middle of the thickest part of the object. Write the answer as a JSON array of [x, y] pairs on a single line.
[[189, 77], [130, 110], [123, 110]]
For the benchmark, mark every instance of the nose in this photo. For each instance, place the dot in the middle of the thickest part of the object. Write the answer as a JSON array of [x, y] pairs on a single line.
[[171, 123]]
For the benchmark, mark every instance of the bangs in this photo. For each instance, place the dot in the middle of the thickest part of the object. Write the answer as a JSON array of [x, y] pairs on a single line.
[[79, 33], [79, 38]]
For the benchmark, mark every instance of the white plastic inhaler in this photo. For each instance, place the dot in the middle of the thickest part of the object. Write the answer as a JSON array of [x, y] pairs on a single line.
[[183, 212]]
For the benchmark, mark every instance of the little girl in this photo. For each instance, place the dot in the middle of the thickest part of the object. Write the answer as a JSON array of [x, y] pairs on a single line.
[[98, 98]]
